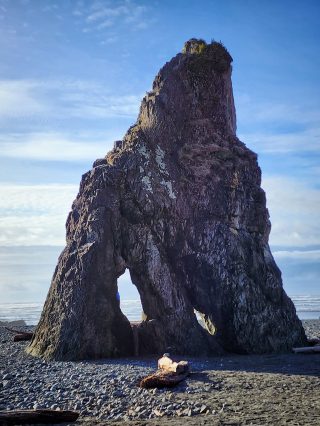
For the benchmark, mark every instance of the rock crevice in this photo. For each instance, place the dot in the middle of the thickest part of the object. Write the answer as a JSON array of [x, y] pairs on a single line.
[[178, 202]]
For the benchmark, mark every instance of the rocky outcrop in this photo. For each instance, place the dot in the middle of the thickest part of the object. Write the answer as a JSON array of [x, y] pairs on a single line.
[[178, 202]]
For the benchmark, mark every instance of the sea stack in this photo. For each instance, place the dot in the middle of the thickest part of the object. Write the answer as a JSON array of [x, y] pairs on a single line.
[[178, 202]]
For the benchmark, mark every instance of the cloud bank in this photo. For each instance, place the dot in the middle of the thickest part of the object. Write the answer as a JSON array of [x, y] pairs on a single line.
[[34, 214], [294, 211], [63, 99], [52, 146]]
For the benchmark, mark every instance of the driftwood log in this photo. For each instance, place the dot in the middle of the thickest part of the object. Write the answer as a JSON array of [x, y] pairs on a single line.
[[20, 335], [20, 417], [307, 349], [169, 374], [162, 379]]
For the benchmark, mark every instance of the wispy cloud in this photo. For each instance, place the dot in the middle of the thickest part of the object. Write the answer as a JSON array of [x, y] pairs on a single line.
[[251, 110], [50, 199], [108, 12], [307, 140], [282, 128], [34, 214], [52, 147], [294, 210], [101, 16], [298, 255], [21, 99], [18, 98]]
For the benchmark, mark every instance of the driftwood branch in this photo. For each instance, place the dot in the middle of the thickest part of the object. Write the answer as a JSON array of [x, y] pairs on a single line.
[[19, 417], [13, 330], [22, 336]]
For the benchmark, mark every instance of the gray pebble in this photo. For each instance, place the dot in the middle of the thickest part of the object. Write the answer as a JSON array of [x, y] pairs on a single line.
[[7, 376]]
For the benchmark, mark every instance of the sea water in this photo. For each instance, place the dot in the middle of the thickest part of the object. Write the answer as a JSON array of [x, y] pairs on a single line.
[[25, 275], [308, 307]]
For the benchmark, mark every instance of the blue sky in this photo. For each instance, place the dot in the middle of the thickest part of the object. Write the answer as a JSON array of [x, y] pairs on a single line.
[[72, 76]]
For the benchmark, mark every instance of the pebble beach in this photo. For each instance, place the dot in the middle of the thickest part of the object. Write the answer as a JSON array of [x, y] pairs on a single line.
[[231, 390]]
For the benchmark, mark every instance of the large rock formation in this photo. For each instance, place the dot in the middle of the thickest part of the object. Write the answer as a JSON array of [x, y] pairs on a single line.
[[178, 202]]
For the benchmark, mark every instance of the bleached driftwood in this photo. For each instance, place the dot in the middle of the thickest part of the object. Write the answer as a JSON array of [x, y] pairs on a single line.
[[166, 364], [169, 374], [307, 349]]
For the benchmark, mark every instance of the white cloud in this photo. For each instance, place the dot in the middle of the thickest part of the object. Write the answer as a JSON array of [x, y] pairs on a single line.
[[109, 12], [51, 147], [34, 214], [307, 141], [18, 99], [105, 24], [51, 199], [101, 16], [251, 110], [104, 107], [109, 40], [63, 99], [32, 230], [298, 255], [294, 210], [299, 123]]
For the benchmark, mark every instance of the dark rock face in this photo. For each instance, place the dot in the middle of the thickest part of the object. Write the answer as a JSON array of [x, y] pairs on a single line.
[[179, 203]]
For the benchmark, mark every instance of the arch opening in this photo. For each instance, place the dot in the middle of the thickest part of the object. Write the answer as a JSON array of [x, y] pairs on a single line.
[[130, 300]]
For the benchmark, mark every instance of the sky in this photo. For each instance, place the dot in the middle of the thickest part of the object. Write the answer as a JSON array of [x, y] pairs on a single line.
[[72, 75]]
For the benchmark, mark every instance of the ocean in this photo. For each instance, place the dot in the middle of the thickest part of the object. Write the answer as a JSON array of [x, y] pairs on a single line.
[[25, 276], [308, 307]]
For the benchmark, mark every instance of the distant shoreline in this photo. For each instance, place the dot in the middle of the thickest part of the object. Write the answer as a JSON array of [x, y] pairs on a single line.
[[308, 308]]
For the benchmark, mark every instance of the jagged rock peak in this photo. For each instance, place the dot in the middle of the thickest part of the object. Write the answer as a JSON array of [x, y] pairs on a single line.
[[178, 202], [195, 90], [194, 45], [215, 50]]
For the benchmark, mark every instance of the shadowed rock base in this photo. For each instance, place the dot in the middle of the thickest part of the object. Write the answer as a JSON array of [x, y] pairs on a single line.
[[178, 202]]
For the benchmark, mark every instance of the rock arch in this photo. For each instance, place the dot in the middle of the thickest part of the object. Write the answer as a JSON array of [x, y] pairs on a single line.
[[179, 203]]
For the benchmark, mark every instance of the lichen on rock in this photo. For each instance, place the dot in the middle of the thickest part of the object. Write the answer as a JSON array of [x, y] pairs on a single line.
[[179, 203]]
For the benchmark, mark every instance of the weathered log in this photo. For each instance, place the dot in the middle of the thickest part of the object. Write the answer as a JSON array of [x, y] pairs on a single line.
[[162, 379], [22, 337], [169, 373], [18, 417], [307, 349]]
